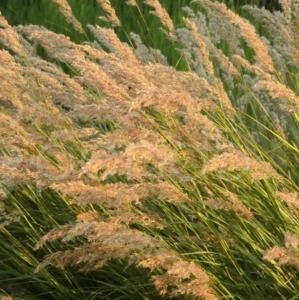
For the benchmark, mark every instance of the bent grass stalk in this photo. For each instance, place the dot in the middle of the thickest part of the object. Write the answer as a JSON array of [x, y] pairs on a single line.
[[124, 178]]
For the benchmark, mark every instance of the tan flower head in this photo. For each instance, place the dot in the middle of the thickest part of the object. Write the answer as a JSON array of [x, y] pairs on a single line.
[[111, 16], [160, 12], [66, 11]]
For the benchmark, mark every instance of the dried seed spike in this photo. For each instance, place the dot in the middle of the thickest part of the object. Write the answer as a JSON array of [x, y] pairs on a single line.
[[231, 203], [285, 256], [237, 161], [181, 277], [9, 39], [131, 2], [110, 40], [146, 54], [239, 61], [3, 21], [197, 52], [92, 87], [6, 298], [286, 7], [67, 12], [280, 93], [202, 46], [291, 240], [160, 12], [109, 240], [291, 199], [283, 29], [111, 16], [246, 31]]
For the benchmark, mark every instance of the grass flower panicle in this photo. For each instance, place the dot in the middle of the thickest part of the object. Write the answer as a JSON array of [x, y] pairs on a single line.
[[67, 12], [111, 16], [161, 13], [287, 255], [125, 177]]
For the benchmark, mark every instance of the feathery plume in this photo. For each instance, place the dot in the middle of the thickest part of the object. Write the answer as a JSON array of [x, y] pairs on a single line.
[[197, 53], [67, 12], [131, 2], [144, 125], [285, 256], [246, 30], [291, 199], [13, 91], [111, 16], [9, 39], [12, 134], [88, 73], [201, 45], [237, 161], [109, 39], [160, 12], [231, 202], [283, 29], [280, 93], [241, 62], [108, 240], [287, 8], [6, 298], [146, 54], [3, 21], [132, 162], [117, 195]]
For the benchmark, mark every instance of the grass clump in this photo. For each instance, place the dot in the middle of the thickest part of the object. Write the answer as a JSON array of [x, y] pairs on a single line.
[[165, 170]]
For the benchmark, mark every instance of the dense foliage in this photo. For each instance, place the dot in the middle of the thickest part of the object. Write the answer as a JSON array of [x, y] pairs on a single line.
[[149, 154]]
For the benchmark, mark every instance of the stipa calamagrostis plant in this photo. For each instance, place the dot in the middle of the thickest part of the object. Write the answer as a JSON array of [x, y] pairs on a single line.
[[124, 178]]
